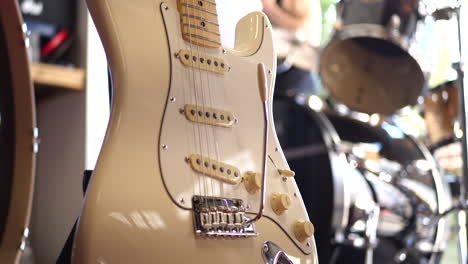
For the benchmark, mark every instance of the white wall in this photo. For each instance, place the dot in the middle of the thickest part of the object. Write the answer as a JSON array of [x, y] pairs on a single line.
[[231, 11], [97, 96]]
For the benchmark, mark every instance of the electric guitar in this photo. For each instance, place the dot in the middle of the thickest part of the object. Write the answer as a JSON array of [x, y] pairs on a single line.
[[190, 169], [18, 135]]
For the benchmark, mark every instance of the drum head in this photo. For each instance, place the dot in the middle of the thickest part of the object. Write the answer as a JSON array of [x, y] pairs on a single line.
[[370, 75]]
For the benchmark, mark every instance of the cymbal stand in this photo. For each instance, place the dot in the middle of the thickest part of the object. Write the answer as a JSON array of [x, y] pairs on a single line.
[[446, 13], [462, 216]]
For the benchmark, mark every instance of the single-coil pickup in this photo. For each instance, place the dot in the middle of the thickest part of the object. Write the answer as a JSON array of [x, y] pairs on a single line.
[[215, 169], [208, 115], [203, 61]]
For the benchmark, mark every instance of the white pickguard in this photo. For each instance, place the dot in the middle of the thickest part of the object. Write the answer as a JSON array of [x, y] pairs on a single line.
[[240, 145]]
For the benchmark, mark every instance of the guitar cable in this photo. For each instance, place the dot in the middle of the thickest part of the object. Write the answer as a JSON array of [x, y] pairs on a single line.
[[263, 89]]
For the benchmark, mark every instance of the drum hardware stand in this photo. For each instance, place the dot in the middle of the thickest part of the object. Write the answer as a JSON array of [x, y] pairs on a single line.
[[446, 13], [462, 216]]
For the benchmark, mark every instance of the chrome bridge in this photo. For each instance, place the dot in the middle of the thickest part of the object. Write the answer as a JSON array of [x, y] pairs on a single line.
[[220, 217]]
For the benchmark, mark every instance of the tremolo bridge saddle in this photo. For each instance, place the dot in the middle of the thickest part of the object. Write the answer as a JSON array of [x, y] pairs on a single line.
[[221, 217]]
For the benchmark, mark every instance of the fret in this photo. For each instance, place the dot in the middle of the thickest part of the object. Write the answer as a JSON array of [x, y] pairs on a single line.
[[201, 28], [211, 5], [199, 13], [211, 2], [208, 10], [199, 22], [201, 40], [199, 19]]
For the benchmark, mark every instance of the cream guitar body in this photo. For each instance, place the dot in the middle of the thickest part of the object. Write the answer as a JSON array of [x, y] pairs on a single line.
[[178, 177]]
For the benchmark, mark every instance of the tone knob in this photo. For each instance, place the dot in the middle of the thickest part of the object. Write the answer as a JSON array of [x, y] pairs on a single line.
[[287, 173], [303, 230], [280, 202], [252, 181]]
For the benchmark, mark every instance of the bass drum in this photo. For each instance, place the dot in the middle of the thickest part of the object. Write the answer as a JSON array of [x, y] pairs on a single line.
[[372, 192], [17, 135]]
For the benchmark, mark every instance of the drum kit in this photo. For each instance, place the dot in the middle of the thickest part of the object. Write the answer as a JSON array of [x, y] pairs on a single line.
[[375, 193]]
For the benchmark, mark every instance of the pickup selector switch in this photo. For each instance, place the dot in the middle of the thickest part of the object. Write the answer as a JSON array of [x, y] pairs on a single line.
[[252, 181], [287, 173], [280, 202]]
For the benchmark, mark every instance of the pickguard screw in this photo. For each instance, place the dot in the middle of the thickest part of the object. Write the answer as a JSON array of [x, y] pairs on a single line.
[[269, 71], [295, 194], [173, 99], [182, 111], [177, 55], [236, 120], [182, 200], [166, 8], [248, 206], [224, 51], [308, 244], [266, 25], [229, 68], [276, 149], [164, 146], [285, 179], [187, 159]]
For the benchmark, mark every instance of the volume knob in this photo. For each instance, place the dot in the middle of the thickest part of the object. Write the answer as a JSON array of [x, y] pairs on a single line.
[[252, 181], [303, 230], [280, 202]]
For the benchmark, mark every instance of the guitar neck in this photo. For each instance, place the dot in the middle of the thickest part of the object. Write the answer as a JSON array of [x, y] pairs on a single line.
[[199, 22]]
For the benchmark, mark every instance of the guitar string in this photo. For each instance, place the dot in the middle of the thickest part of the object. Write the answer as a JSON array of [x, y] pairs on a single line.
[[219, 89], [203, 105], [188, 97], [201, 180], [204, 100], [209, 87]]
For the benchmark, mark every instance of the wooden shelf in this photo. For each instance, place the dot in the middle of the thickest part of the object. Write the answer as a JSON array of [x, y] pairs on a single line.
[[58, 76]]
